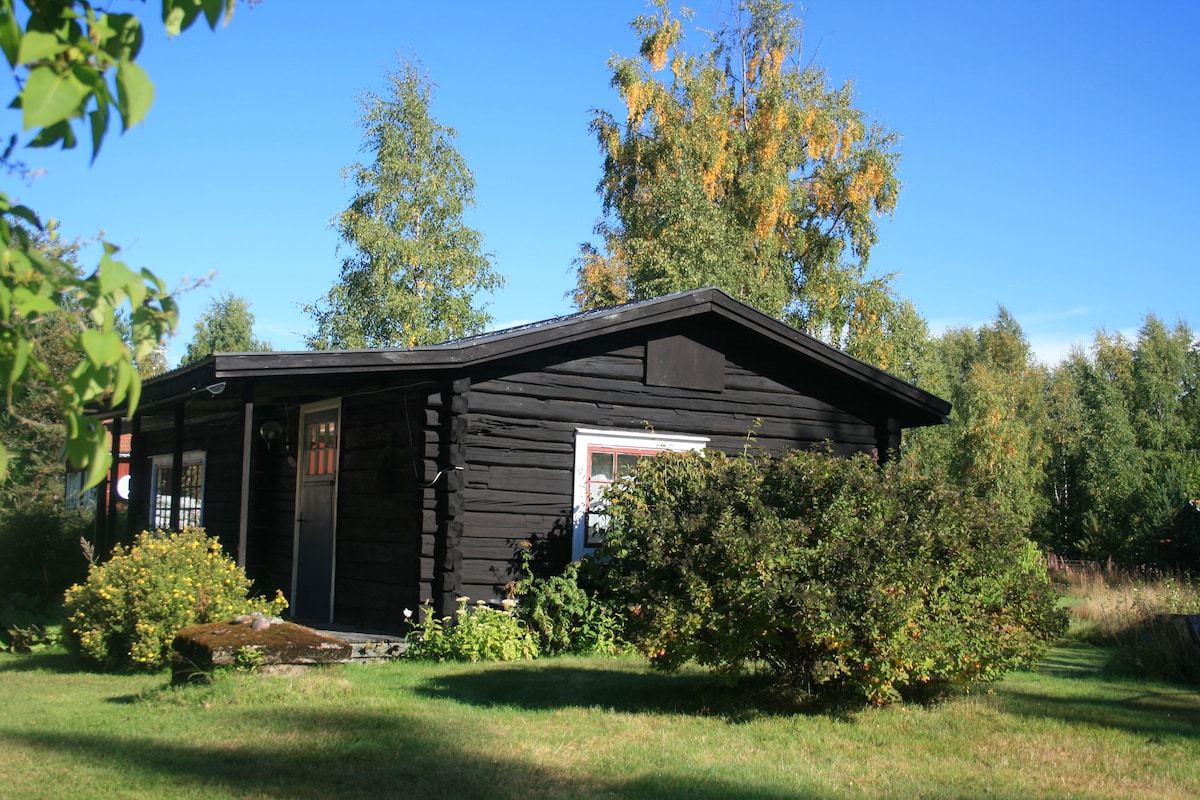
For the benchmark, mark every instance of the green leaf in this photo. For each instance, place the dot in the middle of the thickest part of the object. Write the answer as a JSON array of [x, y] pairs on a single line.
[[88, 448], [134, 391], [50, 97], [101, 460], [20, 358], [95, 346], [59, 132], [135, 93], [39, 46], [99, 123], [125, 36], [24, 212], [178, 15], [31, 304], [125, 373], [215, 9], [10, 41], [117, 279]]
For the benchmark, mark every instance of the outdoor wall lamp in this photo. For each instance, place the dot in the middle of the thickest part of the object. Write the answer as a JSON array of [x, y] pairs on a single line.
[[271, 431], [213, 388]]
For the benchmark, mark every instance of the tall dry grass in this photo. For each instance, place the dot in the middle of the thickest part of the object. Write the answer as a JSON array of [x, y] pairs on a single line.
[[1151, 618]]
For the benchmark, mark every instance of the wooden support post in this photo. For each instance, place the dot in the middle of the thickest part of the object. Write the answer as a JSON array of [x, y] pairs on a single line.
[[176, 470], [244, 500], [110, 527], [138, 483]]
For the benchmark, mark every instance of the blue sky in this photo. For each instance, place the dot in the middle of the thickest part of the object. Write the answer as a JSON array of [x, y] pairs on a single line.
[[1049, 150]]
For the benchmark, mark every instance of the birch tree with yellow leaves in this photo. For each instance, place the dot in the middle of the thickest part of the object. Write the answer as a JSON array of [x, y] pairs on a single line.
[[740, 166]]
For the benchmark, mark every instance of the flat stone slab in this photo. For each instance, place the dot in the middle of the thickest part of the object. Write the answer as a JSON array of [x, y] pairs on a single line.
[[201, 648]]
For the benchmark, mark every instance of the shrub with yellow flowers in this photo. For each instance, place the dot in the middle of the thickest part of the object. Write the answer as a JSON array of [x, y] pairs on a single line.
[[128, 611]]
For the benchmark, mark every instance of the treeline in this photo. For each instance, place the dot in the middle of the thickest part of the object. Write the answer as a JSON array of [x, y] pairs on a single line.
[[1098, 455]]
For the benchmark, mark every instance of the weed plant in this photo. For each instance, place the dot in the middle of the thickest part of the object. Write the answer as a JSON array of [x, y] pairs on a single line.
[[473, 633], [1138, 614]]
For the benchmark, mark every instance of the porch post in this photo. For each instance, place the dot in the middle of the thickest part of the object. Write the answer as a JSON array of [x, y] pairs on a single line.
[[104, 537], [887, 439], [138, 504], [177, 470], [244, 505]]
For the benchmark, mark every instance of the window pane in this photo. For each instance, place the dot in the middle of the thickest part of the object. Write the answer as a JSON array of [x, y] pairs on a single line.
[[626, 462], [602, 466], [322, 448]]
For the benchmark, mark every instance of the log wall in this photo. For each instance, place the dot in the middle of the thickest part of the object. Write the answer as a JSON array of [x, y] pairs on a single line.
[[521, 433]]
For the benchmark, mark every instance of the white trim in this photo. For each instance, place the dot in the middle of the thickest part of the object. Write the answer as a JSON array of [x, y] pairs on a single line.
[[588, 438], [316, 408]]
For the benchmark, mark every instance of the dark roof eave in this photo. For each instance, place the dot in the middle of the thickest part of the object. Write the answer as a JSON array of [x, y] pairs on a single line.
[[922, 408]]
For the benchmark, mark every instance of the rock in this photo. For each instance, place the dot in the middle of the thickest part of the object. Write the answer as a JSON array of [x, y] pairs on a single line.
[[201, 648]]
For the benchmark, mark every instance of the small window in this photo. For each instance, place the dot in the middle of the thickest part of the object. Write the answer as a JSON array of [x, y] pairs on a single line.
[[191, 501], [606, 465], [321, 447], [603, 457]]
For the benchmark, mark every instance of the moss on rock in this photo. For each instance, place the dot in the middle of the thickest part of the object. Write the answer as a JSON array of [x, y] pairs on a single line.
[[201, 648]]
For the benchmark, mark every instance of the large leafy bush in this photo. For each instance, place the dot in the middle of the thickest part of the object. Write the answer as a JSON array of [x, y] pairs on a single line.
[[829, 574], [131, 607], [40, 552]]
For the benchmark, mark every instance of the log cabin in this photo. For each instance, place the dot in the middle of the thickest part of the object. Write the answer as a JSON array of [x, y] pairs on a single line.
[[365, 482]]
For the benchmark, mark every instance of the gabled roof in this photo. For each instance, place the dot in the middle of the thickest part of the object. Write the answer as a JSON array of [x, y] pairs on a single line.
[[919, 407]]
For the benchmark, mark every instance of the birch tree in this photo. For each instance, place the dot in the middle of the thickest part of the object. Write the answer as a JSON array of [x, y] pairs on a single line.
[[414, 268], [740, 165]]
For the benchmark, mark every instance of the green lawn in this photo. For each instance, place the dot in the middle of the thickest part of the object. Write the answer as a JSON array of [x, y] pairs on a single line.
[[585, 728]]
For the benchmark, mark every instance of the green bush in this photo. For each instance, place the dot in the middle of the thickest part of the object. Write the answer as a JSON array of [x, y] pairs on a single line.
[[481, 633], [39, 550], [131, 607], [828, 574], [26, 625], [564, 615]]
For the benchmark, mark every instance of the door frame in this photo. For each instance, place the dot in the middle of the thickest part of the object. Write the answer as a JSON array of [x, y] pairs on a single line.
[[302, 445]]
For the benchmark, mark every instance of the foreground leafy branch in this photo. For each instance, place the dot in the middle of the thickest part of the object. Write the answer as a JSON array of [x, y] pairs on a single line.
[[74, 63]]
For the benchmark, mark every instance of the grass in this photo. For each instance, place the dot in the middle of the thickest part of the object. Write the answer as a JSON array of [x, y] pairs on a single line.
[[1132, 613], [581, 728]]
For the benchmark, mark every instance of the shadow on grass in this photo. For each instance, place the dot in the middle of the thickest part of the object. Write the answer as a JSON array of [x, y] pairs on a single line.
[[56, 661], [1091, 695], [1075, 661], [1149, 713], [633, 690], [360, 754]]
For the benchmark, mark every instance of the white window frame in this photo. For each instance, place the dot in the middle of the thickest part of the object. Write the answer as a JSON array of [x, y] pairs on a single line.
[[588, 440], [188, 517]]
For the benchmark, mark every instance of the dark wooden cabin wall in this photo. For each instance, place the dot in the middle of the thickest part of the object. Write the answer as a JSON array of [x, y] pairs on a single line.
[[444, 435], [273, 503], [217, 432], [379, 515], [519, 482]]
